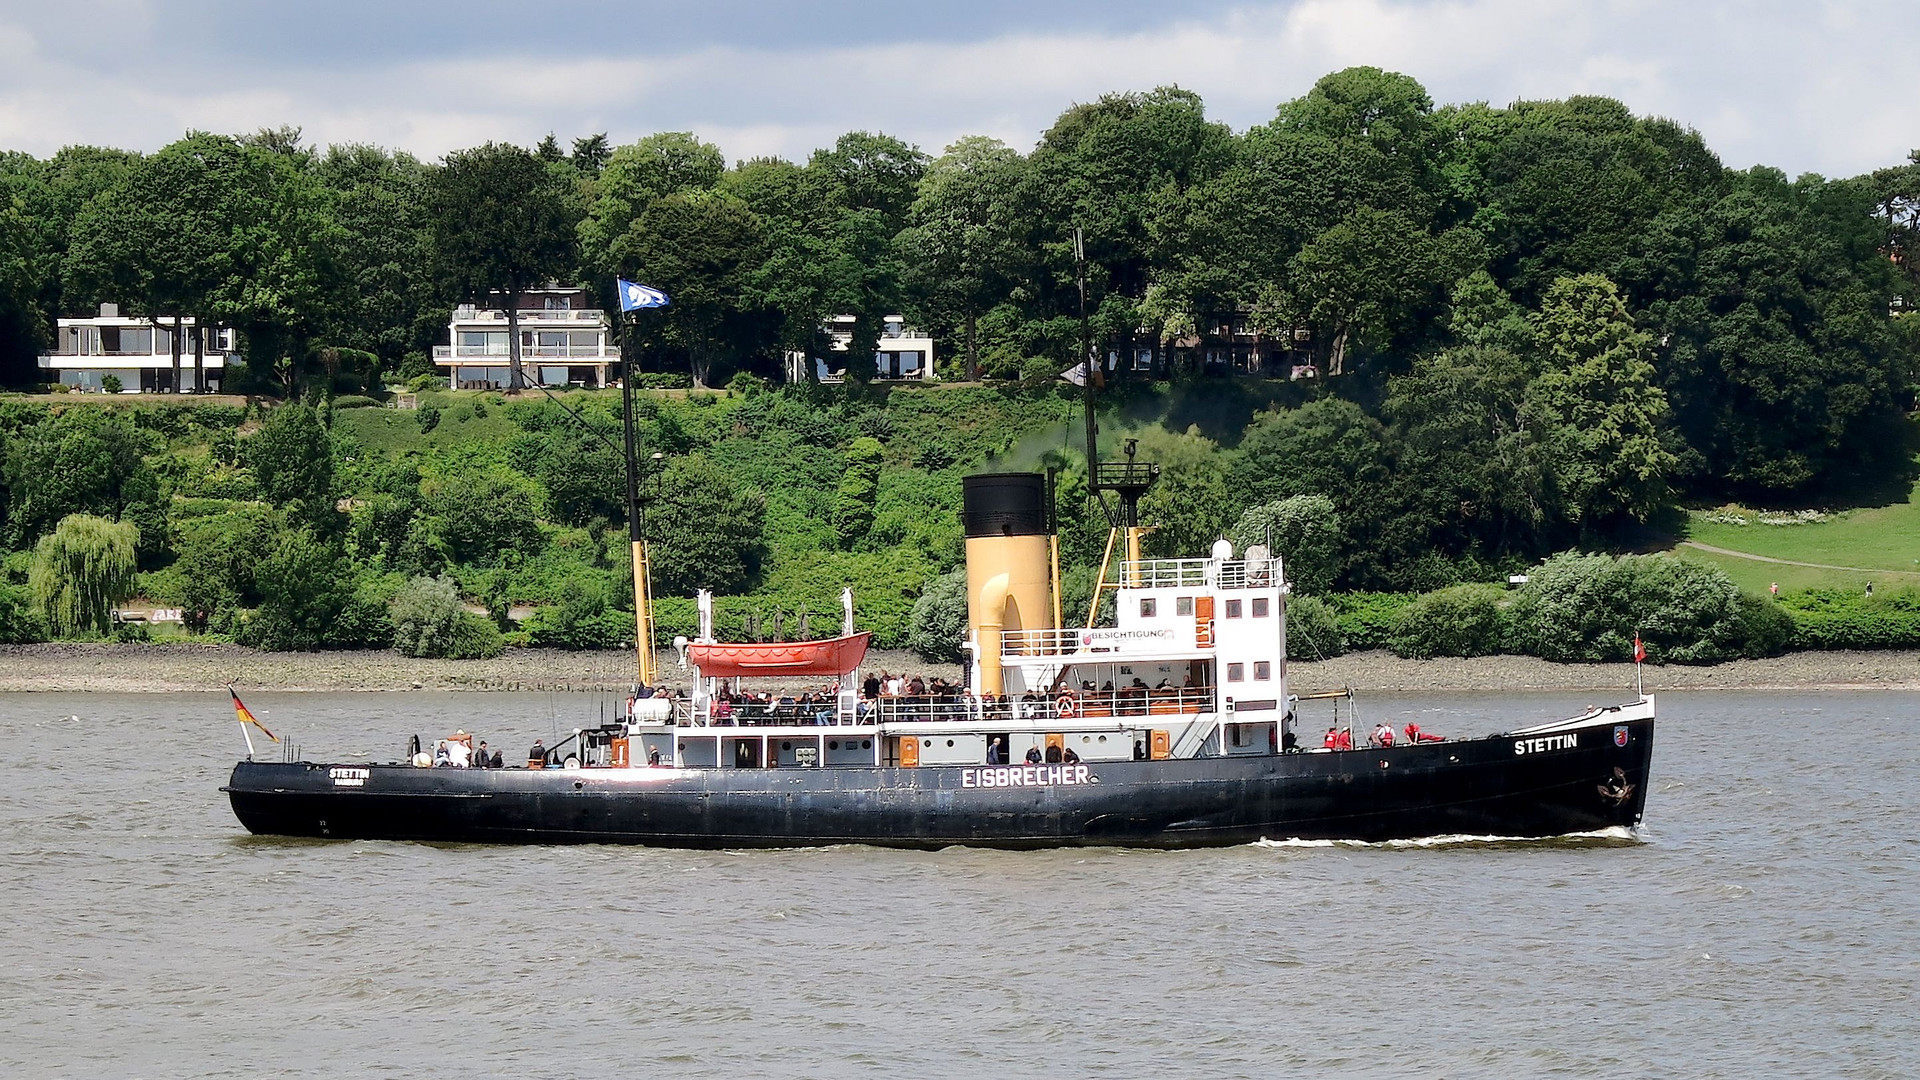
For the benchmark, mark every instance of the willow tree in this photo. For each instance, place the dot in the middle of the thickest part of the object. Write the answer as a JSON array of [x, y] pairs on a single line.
[[80, 570]]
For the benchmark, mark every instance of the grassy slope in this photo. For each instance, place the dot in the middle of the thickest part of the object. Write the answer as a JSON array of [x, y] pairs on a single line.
[[1885, 539]]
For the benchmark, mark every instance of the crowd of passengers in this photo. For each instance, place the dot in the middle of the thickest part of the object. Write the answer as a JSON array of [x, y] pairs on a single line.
[[887, 696]]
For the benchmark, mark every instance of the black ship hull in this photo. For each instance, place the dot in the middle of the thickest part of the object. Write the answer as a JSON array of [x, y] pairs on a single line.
[[1573, 780]]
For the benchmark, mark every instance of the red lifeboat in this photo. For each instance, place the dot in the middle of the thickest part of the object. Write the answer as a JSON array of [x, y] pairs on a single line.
[[834, 656]]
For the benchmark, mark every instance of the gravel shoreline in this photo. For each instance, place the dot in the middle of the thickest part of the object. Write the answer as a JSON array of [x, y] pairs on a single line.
[[133, 668]]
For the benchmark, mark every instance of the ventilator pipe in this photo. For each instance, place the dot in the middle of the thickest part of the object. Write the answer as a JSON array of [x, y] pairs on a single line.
[[987, 625]]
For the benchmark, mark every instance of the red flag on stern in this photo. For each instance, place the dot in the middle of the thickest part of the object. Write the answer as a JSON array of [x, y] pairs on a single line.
[[245, 716], [1639, 648]]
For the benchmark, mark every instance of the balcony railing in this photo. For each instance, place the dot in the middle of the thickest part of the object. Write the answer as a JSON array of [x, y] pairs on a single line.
[[1200, 574], [590, 353], [1097, 641]]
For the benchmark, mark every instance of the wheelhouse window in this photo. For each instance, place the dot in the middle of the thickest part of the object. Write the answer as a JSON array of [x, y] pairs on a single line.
[[1233, 609], [1262, 670], [1236, 673], [1149, 607], [1183, 605], [1259, 607]]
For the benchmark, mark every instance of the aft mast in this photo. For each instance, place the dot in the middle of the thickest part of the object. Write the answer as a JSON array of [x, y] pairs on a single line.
[[1128, 479]]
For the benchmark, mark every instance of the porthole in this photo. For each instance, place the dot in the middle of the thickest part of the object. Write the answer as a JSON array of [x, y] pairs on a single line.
[[949, 742], [1103, 738], [928, 743], [1084, 740], [866, 744], [786, 746], [834, 745]]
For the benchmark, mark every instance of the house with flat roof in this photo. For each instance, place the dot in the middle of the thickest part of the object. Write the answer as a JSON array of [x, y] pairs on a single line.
[[136, 351], [903, 353], [564, 340]]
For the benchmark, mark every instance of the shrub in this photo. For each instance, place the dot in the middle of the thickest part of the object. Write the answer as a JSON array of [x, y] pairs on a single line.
[[746, 384], [110, 384], [1842, 619], [939, 621], [1313, 630], [424, 616], [1367, 620], [662, 380], [580, 620], [19, 623], [1589, 607], [1462, 620], [355, 401], [475, 638]]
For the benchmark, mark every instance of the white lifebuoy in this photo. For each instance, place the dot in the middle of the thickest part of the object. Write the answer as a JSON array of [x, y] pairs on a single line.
[[1066, 705]]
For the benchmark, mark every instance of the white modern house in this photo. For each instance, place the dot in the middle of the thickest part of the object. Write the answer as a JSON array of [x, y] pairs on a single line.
[[564, 340], [903, 353], [136, 351]]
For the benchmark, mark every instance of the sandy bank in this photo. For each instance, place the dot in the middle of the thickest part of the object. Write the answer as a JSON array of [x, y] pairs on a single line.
[[162, 668]]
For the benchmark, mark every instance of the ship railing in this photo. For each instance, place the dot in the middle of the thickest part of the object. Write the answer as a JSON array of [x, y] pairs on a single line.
[[1039, 642], [1133, 701], [1200, 573]]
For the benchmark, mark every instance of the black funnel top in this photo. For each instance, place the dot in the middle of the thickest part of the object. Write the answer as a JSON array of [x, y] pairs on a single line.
[[1005, 504]]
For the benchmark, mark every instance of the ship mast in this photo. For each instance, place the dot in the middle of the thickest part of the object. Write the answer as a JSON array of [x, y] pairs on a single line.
[[1128, 479], [636, 519]]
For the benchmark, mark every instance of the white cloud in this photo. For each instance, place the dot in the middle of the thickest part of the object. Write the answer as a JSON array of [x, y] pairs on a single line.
[[1802, 88]]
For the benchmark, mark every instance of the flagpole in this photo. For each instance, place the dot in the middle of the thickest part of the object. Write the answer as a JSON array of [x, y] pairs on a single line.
[[247, 735]]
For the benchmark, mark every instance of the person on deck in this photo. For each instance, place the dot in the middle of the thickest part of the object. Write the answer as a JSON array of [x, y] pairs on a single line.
[[653, 758], [1382, 735], [480, 758], [870, 688], [537, 757], [994, 756], [1416, 736], [1067, 756], [1053, 754], [1345, 742], [1333, 738], [1033, 755]]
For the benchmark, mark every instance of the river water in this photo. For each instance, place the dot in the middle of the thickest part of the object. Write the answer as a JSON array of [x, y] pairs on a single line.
[[1766, 922]]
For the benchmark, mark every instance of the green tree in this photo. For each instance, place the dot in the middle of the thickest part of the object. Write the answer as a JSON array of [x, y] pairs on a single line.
[[292, 458], [703, 530], [500, 225], [227, 231], [387, 304], [853, 504], [959, 247], [702, 249], [635, 175], [482, 514], [1601, 402], [1189, 507], [80, 571], [86, 461], [1304, 530], [938, 623]]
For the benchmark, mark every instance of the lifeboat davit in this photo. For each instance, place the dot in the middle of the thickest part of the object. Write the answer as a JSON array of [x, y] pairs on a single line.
[[833, 656]]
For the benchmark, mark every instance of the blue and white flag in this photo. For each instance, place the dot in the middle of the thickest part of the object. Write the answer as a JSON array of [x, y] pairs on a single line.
[[634, 296]]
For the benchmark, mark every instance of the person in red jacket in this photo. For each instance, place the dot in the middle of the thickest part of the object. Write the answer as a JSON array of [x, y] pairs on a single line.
[[1346, 739], [1333, 738], [1415, 735]]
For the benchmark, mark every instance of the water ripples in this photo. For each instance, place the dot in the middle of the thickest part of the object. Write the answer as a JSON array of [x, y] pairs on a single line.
[[1763, 922]]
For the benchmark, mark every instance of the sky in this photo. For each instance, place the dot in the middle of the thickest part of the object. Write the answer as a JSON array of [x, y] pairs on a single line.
[[1805, 86]]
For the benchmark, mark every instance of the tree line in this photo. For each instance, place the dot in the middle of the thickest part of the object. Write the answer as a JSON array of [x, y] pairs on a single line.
[[1363, 224]]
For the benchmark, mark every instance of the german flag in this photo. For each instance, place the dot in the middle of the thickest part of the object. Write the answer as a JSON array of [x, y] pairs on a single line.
[[242, 714]]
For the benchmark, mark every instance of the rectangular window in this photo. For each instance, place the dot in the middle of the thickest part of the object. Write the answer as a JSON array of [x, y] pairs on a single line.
[[1262, 670], [1149, 607], [1183, 605], [1259, 607], [585, 343], [556, 303], [1233, 609], [1236, 672]]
